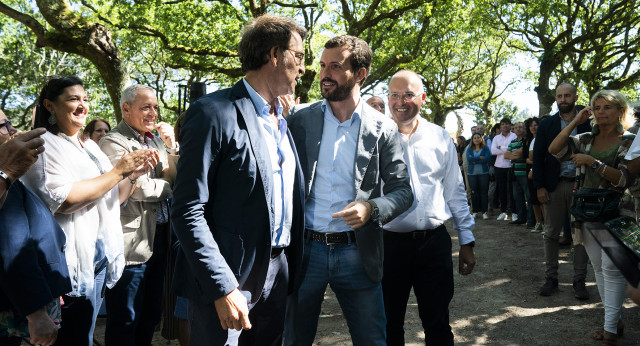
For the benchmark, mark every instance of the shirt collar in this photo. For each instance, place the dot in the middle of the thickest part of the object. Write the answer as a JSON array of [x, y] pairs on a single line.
[[260, 104], [136, 134], [326, 109]]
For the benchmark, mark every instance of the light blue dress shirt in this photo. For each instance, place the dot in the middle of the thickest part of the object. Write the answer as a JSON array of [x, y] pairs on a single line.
[[333, 187], [283, 164]]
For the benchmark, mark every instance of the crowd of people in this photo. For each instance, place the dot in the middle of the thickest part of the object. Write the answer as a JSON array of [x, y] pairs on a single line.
[[270, 202]]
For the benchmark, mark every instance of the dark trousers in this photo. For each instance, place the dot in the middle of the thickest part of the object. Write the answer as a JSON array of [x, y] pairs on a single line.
[[503, 189], [134, 304], [479, 184], [79, 313], [266, 315], [427, 266]]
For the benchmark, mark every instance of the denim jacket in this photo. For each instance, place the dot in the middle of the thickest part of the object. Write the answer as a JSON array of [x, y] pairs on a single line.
[[474, 160]]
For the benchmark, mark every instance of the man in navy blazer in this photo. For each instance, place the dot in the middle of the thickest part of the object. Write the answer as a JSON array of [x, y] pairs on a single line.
[[554, 182], [347, 149], [237, 196]]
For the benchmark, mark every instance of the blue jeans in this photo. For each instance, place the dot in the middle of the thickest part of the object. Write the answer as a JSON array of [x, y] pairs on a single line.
[[479, 184], [338, 265], [134, 304], [79, 313], [521, 196]]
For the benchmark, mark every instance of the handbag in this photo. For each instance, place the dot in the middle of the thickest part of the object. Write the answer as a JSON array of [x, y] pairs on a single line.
[[591, 204]]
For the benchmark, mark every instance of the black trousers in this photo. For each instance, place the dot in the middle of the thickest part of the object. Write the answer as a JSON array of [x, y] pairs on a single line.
[[266, 316], [503, 189], [427, 266]]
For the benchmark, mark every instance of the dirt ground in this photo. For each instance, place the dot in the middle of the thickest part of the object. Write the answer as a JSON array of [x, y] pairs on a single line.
[[498, 304]]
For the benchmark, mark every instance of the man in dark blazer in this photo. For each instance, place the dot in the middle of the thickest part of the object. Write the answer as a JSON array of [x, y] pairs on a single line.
[[347, 149], [237, 197], [554, 182]]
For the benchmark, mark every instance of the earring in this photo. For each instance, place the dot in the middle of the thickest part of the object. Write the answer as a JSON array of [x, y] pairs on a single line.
[[52, 118]]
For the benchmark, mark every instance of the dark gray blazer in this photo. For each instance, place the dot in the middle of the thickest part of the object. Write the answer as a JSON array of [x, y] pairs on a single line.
[[379, 157], [221, 210]]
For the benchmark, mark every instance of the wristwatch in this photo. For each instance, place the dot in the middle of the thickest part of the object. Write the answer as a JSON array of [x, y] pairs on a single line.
[[596, 164], [375, 212], [6, 178]]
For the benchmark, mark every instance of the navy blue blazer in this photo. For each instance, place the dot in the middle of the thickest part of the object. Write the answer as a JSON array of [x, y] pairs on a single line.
[[221, 210], [33, 268], [546, 168]]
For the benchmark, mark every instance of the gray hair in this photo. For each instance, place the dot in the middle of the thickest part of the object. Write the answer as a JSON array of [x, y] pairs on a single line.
[[129, 94]]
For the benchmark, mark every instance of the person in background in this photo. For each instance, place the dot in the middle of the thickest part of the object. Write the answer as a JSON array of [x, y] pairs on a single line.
[[478, 155], [554, 183], [499, 146], [531, 127], [600, 155], [96, 129], [134, 304], [517, 153], [377, 103], [78, 184]]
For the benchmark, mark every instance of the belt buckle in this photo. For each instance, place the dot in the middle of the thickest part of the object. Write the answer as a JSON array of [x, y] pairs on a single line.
[[326, 239], [422, 235]]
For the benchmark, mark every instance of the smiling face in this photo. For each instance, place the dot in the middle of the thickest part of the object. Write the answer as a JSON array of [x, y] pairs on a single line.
[[409, 84], [533, 128], [606, 113], [99, 131], [337, 81], [70, 109], [142, 114]]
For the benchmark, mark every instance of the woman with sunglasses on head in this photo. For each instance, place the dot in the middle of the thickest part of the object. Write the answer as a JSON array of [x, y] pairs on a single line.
[[84, 192], [599, 155]]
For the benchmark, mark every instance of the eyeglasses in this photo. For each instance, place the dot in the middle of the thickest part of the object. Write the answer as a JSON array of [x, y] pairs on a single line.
[[298, 57], [407, 97], [5, 127]]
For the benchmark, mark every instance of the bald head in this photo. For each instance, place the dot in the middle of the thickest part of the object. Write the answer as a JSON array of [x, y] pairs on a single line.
[[411, 77], [406, 97], [377, 103]]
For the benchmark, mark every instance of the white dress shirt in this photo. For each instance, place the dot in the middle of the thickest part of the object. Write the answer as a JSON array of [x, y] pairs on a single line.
[[436, 182], [283, 166]]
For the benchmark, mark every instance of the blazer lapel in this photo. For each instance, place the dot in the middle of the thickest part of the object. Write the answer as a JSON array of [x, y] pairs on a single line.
[[248, 112], [314, 127], [367, 140]]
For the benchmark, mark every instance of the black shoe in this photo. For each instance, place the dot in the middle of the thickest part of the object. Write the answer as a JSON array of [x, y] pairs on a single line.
[[549, 287], [580, 290], [518, 222]]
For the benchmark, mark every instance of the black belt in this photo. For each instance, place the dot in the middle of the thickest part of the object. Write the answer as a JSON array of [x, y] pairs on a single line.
[[276, 251], [415, 235], [332, 238], [569, 179]]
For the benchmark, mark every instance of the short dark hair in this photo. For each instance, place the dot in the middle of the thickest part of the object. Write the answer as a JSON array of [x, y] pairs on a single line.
[[361, 54], [91, 126], [505, 120], [53, 88], [263, 33]]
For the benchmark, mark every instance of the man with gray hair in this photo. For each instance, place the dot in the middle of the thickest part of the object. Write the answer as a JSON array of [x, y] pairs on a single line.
[[134, 304]]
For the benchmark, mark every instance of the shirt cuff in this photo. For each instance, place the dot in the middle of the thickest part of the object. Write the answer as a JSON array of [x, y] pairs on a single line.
[[465, 237]]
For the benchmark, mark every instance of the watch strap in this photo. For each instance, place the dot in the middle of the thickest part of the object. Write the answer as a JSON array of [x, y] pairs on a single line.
[[6, 178]]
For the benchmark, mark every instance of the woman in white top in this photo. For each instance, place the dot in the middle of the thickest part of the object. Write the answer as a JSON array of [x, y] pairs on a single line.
[[83, 191]]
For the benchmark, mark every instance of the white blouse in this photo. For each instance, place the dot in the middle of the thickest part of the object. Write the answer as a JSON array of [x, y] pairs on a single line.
[[93, 232]]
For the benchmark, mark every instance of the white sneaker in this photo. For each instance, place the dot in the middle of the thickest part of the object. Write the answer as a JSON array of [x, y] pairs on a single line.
[[474, 215], [502, 216], [485, 216], [537, 228], [514, 217]]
